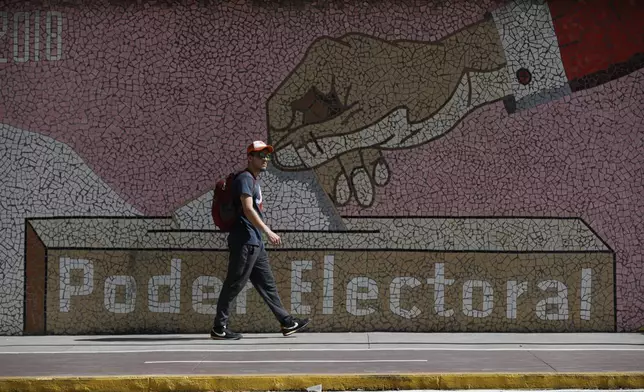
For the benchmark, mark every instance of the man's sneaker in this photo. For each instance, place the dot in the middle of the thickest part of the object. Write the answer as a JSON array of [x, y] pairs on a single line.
[[223, 333], [296, 325]]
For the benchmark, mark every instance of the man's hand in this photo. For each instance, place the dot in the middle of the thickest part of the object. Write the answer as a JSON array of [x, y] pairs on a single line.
[[351, 97], [273, 238]]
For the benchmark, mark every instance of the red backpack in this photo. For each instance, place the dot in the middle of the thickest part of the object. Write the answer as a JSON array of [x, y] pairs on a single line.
[[223, 210]]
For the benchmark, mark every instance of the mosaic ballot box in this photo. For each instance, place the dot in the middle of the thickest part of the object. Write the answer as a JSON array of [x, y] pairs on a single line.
[[143, 275]]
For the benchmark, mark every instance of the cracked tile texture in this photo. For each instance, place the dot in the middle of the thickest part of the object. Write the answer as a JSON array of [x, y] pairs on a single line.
[[443, 166]]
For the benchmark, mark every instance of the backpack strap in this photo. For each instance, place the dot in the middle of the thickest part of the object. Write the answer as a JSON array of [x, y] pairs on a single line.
[[251, 175], [240, 211]]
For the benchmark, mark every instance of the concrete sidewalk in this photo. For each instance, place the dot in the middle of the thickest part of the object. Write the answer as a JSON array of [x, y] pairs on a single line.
[[338, 361]]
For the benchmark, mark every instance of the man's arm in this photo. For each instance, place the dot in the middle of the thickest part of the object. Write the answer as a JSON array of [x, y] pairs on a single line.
[[253, 217]]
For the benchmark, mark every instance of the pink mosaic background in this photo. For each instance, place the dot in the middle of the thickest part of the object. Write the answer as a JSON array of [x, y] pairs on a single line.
[[160, 101]]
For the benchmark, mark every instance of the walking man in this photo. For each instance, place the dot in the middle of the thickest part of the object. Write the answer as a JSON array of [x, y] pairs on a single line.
[[248, 258]]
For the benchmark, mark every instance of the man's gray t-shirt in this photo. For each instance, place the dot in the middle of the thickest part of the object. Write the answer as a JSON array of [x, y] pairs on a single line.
[[244, 232]]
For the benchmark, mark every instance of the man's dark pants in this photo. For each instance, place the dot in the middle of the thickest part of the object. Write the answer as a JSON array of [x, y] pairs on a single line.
[[249, 262]]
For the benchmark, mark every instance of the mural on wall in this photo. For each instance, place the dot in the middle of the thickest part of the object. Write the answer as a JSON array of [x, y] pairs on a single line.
[[352, 97], [471, 172], [545, 275]]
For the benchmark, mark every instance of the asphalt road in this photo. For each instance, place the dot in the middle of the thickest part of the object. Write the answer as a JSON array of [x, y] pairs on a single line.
[[313, 353]]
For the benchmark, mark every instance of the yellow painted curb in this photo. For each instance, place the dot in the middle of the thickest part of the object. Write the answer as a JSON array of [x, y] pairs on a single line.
[[330, 382]]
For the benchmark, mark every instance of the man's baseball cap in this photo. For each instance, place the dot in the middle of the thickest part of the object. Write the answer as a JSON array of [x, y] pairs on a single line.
[[259, 145]]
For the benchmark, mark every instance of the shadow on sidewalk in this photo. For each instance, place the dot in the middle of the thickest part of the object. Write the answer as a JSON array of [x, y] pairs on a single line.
[[164, 338], [293, 340]]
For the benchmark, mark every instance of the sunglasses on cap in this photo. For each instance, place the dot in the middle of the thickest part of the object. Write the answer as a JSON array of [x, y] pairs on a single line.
[[262, 154]]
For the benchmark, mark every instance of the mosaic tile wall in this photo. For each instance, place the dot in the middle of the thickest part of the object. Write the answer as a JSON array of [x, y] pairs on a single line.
[[130, 275], [371, 296], [496, 109]]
